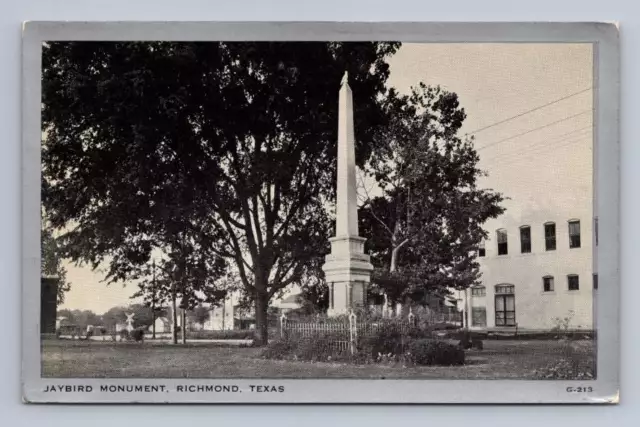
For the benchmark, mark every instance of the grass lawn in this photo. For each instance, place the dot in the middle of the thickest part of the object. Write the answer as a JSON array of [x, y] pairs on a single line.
[[500, 359]]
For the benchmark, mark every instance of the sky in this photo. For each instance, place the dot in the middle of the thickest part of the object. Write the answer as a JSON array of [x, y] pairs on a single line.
[[528, 106]]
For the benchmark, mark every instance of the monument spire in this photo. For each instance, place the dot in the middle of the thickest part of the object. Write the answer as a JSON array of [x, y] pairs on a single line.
[[347, 269], [346, 202]]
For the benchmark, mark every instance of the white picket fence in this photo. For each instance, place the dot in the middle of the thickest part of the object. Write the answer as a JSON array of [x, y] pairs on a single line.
[[343, 333]]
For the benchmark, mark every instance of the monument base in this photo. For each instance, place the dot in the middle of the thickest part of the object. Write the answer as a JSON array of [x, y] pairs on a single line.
[[348, 274]]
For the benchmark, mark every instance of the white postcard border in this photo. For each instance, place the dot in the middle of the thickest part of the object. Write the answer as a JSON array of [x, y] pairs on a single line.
[[606, 177]]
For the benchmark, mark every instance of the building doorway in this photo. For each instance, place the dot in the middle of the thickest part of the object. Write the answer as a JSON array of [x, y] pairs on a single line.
[[505, 305]]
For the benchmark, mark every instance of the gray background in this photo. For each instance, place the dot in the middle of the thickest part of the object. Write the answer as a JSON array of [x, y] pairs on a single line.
[[13, 14]]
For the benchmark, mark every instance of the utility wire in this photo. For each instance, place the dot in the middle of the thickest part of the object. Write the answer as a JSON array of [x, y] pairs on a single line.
[[516, 160], [558, 138], [547, 145], [539, 149], [534, 130], [529, 111]]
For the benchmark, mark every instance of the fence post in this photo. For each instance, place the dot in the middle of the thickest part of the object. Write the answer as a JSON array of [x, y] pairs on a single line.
[[411, 317], [283, 324], [353, 332]]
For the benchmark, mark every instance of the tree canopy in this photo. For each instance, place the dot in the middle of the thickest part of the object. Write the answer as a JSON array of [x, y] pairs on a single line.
[[221, 147], [424, 229]]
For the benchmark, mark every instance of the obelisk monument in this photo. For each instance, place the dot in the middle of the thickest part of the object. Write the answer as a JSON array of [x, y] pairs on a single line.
[[347, 269]]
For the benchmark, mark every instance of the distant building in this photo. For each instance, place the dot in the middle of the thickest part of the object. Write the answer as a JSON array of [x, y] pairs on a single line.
[[222, 317], [48, 304], [162, 324], [289, 303]]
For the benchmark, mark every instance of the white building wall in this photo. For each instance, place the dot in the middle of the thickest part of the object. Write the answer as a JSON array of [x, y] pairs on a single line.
[[535, 308], [552, 186], [546, 177]]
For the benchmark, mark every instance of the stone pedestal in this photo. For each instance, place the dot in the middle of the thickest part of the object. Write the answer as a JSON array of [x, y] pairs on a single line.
[[348, 274]]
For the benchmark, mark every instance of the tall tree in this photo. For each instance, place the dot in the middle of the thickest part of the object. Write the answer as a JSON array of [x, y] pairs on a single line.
[[191, 275], [424, 230], [114, 316], [231, 142]]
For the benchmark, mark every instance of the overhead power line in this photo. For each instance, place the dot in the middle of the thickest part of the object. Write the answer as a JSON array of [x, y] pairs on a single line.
[[534, 130], [529, 111], [545, 143], [509, 157]]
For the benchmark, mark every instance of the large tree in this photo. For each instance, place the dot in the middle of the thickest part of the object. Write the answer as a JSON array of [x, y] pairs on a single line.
[[232, 143], [424, 229]]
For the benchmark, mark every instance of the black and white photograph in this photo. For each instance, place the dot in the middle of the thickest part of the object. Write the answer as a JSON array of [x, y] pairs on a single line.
[[231, 219]]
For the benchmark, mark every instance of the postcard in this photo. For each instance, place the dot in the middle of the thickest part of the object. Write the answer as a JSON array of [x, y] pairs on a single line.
[[320, 212]]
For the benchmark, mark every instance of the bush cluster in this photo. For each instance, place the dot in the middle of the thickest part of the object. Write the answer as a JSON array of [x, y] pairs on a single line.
[[432, 352], [384, 344], [138, 334], [315, 347], [135, 335]]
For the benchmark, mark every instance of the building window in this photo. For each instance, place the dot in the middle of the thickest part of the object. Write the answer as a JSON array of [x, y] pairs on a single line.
[[478, 291], [481, 249], [502, 242], [550, 236], [478, 316], [547, 283], [525, 239], [505, 305], [595, 281], [574, 282], [574, 234], [595, 227], [505, 289]]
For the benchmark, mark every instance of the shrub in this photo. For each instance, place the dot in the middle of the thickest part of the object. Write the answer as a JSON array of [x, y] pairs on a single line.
[[318, 347], [315, 347], [278, 349], [430, 352], [138, 334], [388, 340], [384, 341], [573, 364], [477, 344], [125, 335]]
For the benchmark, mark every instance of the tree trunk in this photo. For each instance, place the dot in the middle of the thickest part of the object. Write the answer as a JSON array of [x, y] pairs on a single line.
[[153, 324], [153, 304], [183, 325], [392, 268], [224, 304], [174, 316], [262, 321]]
